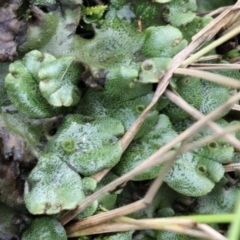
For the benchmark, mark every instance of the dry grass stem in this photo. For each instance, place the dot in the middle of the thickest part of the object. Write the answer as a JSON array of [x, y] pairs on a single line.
[[232, 167], [233, 23], [183, 227], [236, 107], [104, 228], [216, 78], [100, 175], [211, 138], [148, 198], [213, 77], [205, 66], [157, 223], [235, 60], [186, 231], [198, 115], [119, 226], [160, 221], [211, 232], [178, 225], [106, 216], [208, 58]]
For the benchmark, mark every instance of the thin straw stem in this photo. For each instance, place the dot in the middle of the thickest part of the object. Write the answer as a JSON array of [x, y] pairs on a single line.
[[213, 77], [204, 66], [211, 232]]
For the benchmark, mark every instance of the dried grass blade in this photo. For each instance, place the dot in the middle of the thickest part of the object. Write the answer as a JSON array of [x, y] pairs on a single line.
[[122, 227], [232, 167], [213, 77], [236, 107], [211, 232], [104, 228], [213, 66], [185, 228]]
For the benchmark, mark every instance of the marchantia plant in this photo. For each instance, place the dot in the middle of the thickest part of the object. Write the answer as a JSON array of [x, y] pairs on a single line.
[[74, 76]]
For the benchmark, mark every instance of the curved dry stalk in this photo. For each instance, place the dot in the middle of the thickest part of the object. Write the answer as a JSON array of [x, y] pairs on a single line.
[[198, 115], [152, 159], [178, 225], [181, 226], [209, 66], [213, 77]]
